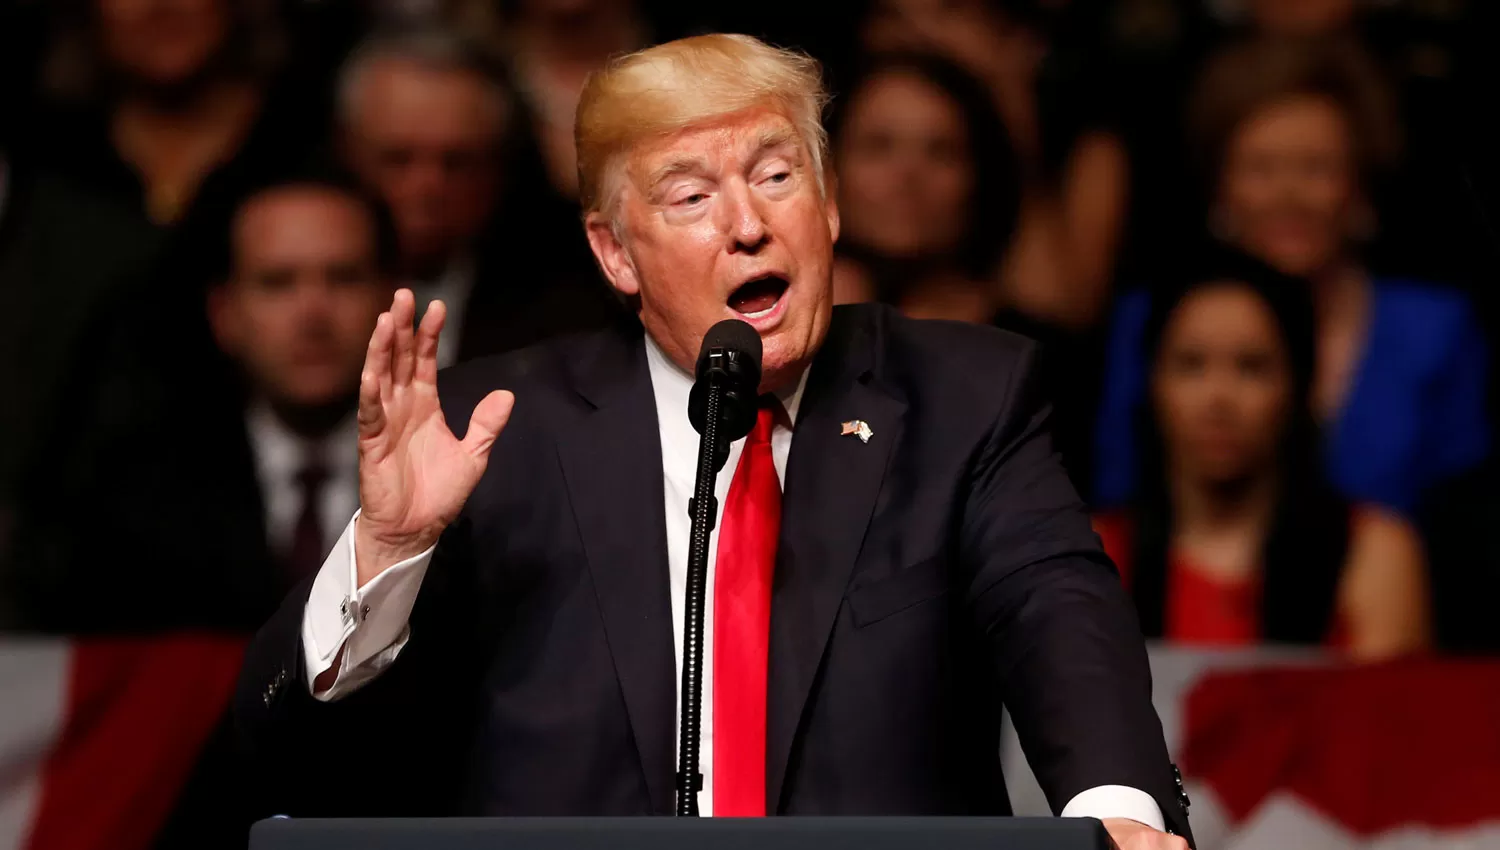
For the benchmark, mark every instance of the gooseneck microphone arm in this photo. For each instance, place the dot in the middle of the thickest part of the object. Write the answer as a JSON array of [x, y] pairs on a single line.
[[703, 508], [722, 407]]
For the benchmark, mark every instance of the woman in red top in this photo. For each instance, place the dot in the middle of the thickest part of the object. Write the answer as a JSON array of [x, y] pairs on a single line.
[[1235, 537]]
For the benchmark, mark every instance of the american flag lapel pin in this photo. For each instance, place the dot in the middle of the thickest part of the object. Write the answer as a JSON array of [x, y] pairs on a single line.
[[857, 427]]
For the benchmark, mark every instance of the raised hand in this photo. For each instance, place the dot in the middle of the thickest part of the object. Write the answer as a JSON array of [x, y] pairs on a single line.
[[414, 475]]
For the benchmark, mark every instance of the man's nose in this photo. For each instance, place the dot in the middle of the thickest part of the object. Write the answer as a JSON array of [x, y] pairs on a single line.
[[426, 181], [745, 223]]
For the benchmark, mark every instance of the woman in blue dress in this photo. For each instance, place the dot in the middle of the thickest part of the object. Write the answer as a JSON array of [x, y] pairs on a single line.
[[1291, 134]]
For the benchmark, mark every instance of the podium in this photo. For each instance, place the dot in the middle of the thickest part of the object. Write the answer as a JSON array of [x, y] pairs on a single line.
[[656, 833]]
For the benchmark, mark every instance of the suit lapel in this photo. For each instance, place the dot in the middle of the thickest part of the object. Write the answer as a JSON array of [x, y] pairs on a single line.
[[611, 461], [832, 483]]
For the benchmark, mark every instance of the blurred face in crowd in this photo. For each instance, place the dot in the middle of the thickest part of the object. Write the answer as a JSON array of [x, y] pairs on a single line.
[[162, 43], [427, 140], [1221, 385], [304, 295], [901, 25], [725, 220], [905, 171], [1288, 188], [1301, 17], [571, 9]]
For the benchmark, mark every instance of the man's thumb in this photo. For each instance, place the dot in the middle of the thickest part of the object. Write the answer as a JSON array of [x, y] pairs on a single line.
[[487, 421]]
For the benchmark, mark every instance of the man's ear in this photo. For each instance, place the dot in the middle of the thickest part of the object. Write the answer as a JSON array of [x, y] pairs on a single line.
[[611, 254], [223, 318]]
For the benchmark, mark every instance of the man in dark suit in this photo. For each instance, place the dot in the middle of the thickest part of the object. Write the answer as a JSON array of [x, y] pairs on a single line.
[[897, 551]]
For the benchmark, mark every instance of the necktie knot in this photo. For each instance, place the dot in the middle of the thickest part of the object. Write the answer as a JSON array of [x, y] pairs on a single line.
[[770, 414], [311, 477], [306, 549]]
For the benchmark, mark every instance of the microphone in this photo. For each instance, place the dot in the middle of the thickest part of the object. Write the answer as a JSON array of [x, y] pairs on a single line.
[[722, 407], [729, 362]]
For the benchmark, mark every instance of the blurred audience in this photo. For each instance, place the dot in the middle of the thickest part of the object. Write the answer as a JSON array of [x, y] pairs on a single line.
[[1291, 136], [160, 115], [254, 470], [551, 47], [159, 100], [1061, 257], [1234, 535], [1298, 18], [423, 120]]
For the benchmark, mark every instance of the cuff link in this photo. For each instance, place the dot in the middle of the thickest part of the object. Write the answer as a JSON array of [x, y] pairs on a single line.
[[274, 687]]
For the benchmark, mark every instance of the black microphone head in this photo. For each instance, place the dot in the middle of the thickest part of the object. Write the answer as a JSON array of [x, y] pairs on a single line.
[[730, 359], [729, 335]]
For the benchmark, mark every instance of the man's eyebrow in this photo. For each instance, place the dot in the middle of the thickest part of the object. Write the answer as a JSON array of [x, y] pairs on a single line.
[[772, 138], [674, 167]]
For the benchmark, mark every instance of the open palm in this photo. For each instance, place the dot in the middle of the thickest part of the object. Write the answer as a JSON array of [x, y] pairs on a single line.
[[414, 474]]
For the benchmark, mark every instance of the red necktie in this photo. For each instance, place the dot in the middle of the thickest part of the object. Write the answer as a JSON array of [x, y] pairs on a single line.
[[742, 623]]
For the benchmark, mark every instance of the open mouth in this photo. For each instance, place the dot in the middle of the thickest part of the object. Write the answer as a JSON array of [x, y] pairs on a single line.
[[757, 297]]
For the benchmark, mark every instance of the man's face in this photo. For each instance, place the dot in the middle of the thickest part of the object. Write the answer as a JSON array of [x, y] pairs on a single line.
[[427, 140], [725, 221], [304, 295], [162, 42]]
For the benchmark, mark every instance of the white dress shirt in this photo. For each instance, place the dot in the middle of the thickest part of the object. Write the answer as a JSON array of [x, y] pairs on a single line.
[[280, 454], [453, 287], [371, 622]]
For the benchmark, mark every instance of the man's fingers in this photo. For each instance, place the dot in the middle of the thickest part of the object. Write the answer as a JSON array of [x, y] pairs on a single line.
[[376, 373], [488, 420], [378, 355], [427, 342], [403, 314]]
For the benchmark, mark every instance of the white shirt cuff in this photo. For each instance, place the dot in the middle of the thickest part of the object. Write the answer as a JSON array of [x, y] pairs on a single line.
[[1116, 801], [370, 623]]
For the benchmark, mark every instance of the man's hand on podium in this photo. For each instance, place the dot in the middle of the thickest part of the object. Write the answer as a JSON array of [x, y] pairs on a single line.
[[1134, 835], [414, 475]]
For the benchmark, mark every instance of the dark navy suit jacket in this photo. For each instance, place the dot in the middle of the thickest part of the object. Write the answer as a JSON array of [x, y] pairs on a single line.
[[923, 580]]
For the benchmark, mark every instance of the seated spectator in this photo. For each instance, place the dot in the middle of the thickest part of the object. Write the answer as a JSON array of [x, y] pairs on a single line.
[[1234, 536], [310, 273], [551, 46], [1291, 134], [255, 472], [423, 119], [176, 106], [1073, 171], [927, 189]]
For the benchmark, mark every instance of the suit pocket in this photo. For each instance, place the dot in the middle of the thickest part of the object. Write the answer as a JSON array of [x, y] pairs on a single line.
[[907, 588]]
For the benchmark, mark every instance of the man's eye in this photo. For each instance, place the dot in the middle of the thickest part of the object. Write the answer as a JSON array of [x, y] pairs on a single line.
[[780, 177], [696, 197]]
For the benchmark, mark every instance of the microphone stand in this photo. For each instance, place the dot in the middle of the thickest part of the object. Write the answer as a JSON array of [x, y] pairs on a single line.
[[702, 507]]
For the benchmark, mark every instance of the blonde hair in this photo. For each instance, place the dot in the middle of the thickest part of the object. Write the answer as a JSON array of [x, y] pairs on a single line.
[[673, 86]]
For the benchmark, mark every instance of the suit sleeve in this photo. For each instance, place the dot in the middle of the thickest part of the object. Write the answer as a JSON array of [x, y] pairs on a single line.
[[1062, 633], [395, 746]]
